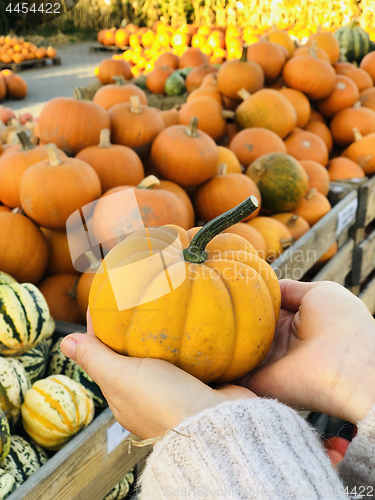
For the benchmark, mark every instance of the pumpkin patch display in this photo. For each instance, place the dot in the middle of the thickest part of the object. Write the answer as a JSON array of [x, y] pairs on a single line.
[[213, 259], [55, 409]]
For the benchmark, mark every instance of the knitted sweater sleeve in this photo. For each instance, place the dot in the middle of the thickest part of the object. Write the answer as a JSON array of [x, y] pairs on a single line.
[[244, 449]]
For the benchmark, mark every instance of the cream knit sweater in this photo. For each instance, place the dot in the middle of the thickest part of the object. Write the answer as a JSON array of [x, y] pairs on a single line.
[[256, 449]]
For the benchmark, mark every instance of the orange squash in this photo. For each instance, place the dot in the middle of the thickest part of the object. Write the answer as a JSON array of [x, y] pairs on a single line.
[[315, 116], [320, 129], [276, 235], [205, 92], [224, 192], [168, 59], [367, 98], [318, 176], [362, 151], [269, 56], [251, 143], [181, 195], [84, 284], [356, 117], [108, 68], [368, 64], [192, 57], [195, 78], [343, 168], [327, 42], [59, 257], [296, 225], [155, 80], [282, 38], [112, 94], [304, 145], [360, 77], [177, 314], [210, 115], [115, 165], [313, 207], [300, 103], [344, 95], [227, 157], [60, 292], [305, 50], [251, 235], [185, 155], [170, 117]]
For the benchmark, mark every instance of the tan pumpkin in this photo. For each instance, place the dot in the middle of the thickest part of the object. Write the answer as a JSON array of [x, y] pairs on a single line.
[[304, 145], [356, 117], [300, 103], [210, 115], [343, 168], [112, 94], [251, 235], [116, 165], [185, 155], [156, 79], [276, 235], [320, 129], [362, 151], [108, 68], [224, 192], [318, 176], [60, 292], [251, 143], [135, 125], [51, 190], [23, 248], [313, 207], [296, 225], [344, 95], [227, 157]]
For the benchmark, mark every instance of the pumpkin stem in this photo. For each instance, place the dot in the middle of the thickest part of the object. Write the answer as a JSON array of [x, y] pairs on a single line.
[[73, 292], [94, 262], [104, 141], [149, 182], [135, 107], [119, 80], [244, 94], [226, 113], [25, 141], [357, 134], [256, 170], [53, 155], [274, 28], [312, 52], [311, 193], [77, 93], [292, 221], [354, 22], [286, 243], [319, 28], [357, 104], [244, 53], [196, 252], [18, 210], [192, 130], [223, 169]]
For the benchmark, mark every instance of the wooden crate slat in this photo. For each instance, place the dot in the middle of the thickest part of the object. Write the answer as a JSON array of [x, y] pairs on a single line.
[[82, 470], [364, 259], [31, 64], [366, 203], [368, 296], [301, 256], [338, 268], [108, 48]]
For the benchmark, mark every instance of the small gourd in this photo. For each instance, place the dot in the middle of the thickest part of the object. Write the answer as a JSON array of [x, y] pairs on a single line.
[[13, 386]]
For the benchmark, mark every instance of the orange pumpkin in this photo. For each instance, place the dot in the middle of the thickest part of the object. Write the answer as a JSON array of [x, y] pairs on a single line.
[[362, 151], [276, 235], [300, 103], [16, 86], [367, 98], [195, 78], [269, 56], [283, 38], [167, 59], [108, 68], [185, 155], [315, 117], [360, 77], [318, 176], [155, 80], [209, 113], [296, 225], [304, 145], [227, 157], [192, 57], [112, 94], [368, 64], [84, 284], [321, 130], [343, 168], [313, 207], [344, 95], [356, 117], [170, 117], [59, 260], [205, 92], [251, 235], [305, 50], [121, 38], [327, 42]]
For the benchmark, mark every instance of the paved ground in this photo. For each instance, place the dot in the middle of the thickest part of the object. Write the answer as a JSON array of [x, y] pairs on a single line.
[[77, 69]]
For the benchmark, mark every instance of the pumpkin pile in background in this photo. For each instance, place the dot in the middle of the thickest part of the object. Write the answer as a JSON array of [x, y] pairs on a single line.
[[17, 50], [12, 86], [143, 46]]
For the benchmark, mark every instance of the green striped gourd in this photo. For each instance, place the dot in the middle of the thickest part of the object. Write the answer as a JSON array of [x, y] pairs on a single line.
[[7, 484], [122, 488], [4, 436], [24, 459], [60, 364], [55, 409], [35, 361], [354, 40], [24, 317], [13, 386]]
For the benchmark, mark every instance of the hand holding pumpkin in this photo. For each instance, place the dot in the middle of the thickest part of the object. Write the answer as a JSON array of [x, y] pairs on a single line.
[[323, 353], [146, 396]]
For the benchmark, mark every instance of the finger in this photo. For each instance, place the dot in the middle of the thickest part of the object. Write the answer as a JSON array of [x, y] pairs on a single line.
[[90, 330], [292, 293], [232, 392]]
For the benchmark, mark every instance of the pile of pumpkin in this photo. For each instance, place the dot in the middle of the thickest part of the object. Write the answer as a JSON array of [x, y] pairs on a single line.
[[12, 86], [222, 43], [13, 49], [38, 413]]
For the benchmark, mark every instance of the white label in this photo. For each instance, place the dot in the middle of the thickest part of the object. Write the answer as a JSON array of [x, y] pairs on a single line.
[[346, 216], [115, 435]]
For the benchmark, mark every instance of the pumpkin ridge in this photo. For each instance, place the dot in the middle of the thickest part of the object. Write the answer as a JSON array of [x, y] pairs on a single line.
[[27, 322], [73, 396], [40, 418], [7, 318], [42, 439], [51, 402]]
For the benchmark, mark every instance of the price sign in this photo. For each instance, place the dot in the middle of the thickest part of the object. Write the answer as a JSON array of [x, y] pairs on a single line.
[[346, 216], [115, 435]]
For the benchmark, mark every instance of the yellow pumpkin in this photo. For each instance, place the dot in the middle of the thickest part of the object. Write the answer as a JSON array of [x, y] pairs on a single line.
[[190, 310]]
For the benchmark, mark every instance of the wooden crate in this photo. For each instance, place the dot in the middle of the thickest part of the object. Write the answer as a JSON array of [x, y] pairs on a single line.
[[297, 260], [31, 64], [111, 49], [367, 295], [87, 467], [364, 260], [338, 267]]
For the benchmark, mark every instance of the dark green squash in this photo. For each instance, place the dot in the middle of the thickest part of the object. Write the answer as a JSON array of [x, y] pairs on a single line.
[[13, 386], [354, 41], [35, 361], [175, 84], [4, 436], [122, 488], [7, 484]]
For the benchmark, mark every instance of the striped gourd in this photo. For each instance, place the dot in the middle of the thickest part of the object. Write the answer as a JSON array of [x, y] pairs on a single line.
[[55, 409], [35, 361], [24, 458], [60, 364], [354, 40], [4, 436], [13, 386], [122, 488], [7, 484], [24, 317]]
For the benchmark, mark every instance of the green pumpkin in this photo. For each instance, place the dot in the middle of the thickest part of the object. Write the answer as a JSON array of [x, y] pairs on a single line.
[[175, 84], [35, 361], [24, 459], [4, 436], [122, 488], [61, 365], [354, 40], [13, 386], [281, 180], [184, 71], [7, 484], [24, 317], [140, 81]]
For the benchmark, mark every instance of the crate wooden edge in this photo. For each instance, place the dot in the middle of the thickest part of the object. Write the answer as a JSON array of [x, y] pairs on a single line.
[[364, 259], [68, 466], [31, 64], [366, 205], [339, 266], [367, 296], [318, 240]]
